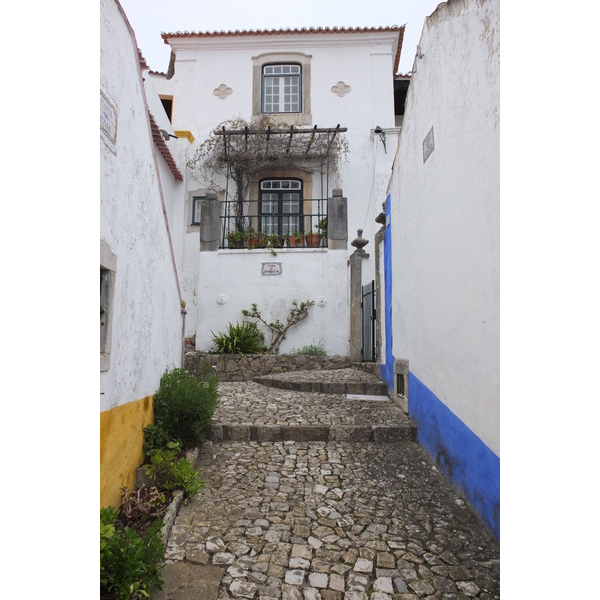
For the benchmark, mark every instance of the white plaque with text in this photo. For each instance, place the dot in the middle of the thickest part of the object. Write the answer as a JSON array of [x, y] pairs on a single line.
[[271, 268]]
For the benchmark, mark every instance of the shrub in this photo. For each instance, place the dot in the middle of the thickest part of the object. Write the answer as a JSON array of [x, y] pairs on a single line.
[[172, 473], [183, 407], [155, 437], [246, 338], [310, 350], [130, 564]]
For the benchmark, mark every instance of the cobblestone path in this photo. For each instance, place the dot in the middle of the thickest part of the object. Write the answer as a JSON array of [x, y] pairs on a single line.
[[330, 520]]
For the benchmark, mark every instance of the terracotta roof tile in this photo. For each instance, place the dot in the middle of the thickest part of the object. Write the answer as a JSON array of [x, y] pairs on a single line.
[[293, 31], [164, 150], [286, 31]]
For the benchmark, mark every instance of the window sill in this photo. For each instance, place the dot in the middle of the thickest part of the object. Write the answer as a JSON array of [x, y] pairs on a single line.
[[296, 119]]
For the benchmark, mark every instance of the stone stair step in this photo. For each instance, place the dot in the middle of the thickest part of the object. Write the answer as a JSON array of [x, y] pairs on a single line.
[[383, 434], [325, 387]]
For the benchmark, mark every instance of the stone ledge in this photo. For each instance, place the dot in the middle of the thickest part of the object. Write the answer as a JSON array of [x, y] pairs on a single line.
[[223, 432], [246, 367]]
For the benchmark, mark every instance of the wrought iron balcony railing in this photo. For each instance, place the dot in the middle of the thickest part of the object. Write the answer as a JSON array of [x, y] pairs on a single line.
[[274, 223]]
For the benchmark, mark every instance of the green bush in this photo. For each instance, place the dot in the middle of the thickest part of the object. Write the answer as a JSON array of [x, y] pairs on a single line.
[[130, 565], [246, 338], [155, 437], [172, 473], [183, 407], [310, 350]]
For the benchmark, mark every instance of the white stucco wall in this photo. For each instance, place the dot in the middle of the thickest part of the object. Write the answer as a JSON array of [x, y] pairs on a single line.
[[146, 314], [445, 216], [363, 61], [305, 275]]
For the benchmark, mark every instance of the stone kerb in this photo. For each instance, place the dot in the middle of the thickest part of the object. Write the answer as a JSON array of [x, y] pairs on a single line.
[[237, 367]]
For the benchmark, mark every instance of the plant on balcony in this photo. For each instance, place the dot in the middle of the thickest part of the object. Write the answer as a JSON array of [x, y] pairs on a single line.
[[257, 240], [237, 239], [274, 241], [321, 226], [313, 240], [296, 239]]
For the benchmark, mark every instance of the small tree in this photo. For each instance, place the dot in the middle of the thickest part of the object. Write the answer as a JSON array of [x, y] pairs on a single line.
[[297, 313]]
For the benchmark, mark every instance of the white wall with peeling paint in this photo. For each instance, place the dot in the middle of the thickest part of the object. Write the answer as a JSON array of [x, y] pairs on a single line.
[[445, 216], [146, 314], [232, 280]]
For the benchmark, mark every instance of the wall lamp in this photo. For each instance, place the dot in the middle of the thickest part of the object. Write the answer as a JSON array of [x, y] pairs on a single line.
[[381, 134], [166, 135]]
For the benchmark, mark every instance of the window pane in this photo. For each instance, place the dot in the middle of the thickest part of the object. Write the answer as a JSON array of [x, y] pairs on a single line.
[[281, 93]]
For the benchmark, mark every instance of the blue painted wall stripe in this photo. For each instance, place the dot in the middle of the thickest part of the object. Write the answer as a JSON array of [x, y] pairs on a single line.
[[459, 454], [386, 370]]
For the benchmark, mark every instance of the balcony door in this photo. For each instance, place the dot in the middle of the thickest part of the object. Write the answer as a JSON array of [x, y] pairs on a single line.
[[280, 206]]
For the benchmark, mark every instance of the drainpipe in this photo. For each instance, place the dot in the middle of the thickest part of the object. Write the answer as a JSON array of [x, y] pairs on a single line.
[[183, 313]]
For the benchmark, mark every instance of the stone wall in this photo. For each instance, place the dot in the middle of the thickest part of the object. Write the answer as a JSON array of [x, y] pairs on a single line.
[[235, 367]]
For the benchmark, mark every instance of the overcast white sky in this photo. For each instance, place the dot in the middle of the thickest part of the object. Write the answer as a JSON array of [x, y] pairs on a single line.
[[151, 17]]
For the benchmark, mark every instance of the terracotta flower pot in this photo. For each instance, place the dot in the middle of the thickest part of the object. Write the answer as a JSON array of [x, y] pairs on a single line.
[[296, 241], [312, 240]]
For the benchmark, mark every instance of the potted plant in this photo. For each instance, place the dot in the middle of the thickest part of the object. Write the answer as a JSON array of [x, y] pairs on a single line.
[[321, 226], [257, 240], [314, 239], [296, 239], [236, 239], [274, 241]]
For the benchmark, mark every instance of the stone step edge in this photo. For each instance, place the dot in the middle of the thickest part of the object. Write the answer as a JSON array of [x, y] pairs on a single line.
[[382, 434], [326, 387]]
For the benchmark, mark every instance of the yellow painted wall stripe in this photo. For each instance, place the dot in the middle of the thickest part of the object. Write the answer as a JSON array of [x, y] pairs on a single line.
[[121, 447]]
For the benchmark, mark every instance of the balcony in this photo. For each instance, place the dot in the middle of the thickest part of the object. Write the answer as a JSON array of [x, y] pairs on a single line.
[[288, 222]]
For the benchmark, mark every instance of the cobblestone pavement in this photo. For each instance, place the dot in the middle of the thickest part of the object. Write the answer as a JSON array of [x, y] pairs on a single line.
[[329, 520], [251, 403]]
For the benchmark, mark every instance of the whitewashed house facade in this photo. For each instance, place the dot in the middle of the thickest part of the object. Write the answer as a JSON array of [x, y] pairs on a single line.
[[339, 84], [441, 251]]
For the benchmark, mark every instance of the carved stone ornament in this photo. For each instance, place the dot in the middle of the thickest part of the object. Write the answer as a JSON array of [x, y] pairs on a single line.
[[222, 91], [341, 89]]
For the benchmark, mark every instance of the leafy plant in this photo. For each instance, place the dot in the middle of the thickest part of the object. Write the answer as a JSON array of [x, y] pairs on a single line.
[[183, 407], [321, 226], [155, 437], [236, 238], [171, 472], [130, 564], [244, 338], [297, 313], [310, 350]]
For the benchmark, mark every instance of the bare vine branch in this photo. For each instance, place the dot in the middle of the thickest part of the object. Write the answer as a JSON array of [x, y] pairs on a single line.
[[297, 313]]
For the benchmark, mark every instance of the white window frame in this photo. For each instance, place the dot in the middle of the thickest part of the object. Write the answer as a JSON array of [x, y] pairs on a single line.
[[303, 61], [281, 88], [280, 187]]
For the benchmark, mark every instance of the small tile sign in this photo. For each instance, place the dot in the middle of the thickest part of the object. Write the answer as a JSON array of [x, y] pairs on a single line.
[[271, 268], [108, 118], [428, 145]]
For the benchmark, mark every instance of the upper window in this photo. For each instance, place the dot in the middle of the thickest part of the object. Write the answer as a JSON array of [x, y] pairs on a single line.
[[282, 86]]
